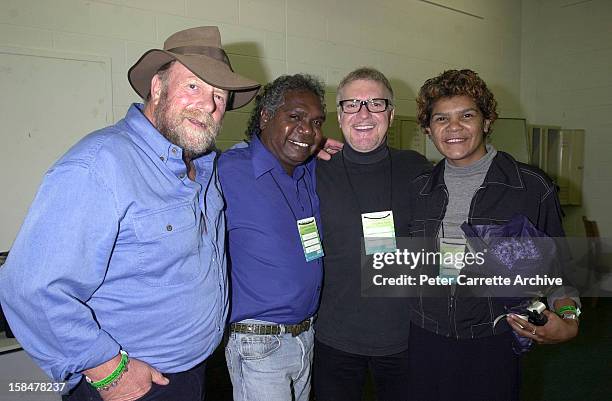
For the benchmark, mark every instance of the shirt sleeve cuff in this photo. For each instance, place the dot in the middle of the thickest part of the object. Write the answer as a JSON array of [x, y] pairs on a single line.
[[103, 349]]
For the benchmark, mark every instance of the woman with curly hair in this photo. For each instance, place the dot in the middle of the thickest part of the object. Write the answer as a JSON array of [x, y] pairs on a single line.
[[474, 183]]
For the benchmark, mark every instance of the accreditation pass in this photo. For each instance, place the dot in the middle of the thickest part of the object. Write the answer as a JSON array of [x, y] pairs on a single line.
[[311, 241], [378, 232]]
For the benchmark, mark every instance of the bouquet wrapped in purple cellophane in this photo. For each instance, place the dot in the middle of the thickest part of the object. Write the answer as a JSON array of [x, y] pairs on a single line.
[[516, 248]]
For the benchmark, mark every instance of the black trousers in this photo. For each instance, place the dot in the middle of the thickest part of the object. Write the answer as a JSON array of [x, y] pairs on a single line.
[[446, 369], [340, 376], [183, 386]]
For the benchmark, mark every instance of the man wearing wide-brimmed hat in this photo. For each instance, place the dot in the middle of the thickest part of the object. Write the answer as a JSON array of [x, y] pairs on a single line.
[[117, 280]]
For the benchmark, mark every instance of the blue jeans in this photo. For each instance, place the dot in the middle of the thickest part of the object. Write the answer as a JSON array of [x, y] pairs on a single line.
[[270, 367]]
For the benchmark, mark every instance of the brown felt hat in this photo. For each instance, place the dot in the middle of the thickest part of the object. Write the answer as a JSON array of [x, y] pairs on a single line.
[[198, 49]]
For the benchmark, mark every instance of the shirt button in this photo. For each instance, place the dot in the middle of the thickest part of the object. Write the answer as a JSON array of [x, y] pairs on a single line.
[[181, 176], [169, 227], [173, 151], [162, 158]]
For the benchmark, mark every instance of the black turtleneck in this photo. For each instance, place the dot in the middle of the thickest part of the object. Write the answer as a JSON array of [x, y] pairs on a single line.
[[350, 184], [371, 157]]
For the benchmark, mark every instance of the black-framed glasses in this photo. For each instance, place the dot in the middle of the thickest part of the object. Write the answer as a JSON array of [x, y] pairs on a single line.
[[352, 106]]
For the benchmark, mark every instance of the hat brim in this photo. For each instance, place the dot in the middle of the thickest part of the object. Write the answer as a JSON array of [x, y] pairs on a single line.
[[208, 69]]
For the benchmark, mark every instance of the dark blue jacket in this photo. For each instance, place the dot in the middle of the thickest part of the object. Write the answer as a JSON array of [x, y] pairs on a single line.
[[509, 188]]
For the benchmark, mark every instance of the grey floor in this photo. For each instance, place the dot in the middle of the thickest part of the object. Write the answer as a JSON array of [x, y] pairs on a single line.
[[580, 370]]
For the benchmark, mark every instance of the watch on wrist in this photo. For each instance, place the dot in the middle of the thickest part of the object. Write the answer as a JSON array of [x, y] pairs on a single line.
[[570, 316]]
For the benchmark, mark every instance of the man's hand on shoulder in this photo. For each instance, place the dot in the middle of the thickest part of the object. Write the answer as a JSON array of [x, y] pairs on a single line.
[[135, 382], [329, 147]]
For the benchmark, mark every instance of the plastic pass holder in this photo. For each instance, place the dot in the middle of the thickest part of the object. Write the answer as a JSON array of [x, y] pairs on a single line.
[[378, 232], [452, 250], [309, 236]]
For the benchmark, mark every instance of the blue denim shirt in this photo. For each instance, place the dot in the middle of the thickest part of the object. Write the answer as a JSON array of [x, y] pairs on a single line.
[[120, 249], [271, 279]]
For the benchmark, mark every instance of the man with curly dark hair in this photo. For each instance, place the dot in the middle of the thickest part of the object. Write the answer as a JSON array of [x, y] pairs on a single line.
[[457, 350], [274, 246]]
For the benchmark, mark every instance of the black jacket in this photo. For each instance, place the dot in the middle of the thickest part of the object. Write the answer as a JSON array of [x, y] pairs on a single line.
[[509, 188]]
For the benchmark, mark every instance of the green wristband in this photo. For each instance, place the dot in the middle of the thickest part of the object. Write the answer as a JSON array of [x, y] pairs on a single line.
[[567, 308], [111, 379]]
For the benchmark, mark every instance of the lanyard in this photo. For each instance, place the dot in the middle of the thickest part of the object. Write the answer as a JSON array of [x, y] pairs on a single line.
[[298, 194], [348, 178]]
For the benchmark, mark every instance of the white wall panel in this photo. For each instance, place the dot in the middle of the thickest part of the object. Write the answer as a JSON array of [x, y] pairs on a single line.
[[50, 101]]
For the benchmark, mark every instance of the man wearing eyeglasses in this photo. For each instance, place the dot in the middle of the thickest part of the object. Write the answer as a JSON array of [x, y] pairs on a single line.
[[363, 182]]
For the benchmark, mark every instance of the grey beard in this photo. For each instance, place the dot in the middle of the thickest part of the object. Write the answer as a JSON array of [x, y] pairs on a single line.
[[177, 134]]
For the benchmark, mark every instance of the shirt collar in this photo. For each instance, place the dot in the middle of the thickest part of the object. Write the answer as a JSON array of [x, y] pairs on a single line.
[[263, 161], [145, 134], [503, 171]]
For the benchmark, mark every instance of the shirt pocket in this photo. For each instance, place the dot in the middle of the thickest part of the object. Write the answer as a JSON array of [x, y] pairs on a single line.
[[169, 240]]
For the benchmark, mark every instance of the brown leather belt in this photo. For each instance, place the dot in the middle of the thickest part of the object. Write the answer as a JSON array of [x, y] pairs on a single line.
[[270, 329]]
